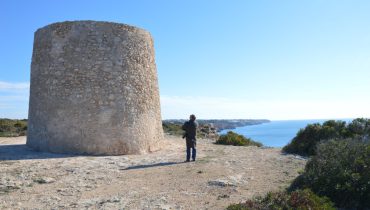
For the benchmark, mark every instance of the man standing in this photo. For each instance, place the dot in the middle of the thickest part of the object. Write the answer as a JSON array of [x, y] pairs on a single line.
[[190, 128]]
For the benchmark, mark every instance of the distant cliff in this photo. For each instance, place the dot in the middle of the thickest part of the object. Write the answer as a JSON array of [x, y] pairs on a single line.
[[222, 124], [208, 128]]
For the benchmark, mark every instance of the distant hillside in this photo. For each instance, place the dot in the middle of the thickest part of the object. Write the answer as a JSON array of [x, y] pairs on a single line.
[[222, 124], [10, 128], [207, 128]]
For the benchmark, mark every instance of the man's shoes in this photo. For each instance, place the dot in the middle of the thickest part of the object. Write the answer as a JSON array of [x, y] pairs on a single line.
[[193, 160], [187, 160]]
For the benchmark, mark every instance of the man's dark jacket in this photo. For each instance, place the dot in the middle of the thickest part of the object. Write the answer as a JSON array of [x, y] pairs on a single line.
[[190, 128]]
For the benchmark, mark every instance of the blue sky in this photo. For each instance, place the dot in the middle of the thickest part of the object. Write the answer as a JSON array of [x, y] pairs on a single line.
[[306, 59]]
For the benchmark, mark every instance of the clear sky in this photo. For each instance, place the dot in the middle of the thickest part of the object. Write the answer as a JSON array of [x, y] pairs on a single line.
[[307, 59]]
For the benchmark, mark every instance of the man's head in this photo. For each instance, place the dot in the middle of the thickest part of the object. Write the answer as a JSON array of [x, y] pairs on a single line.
[[192, 117]]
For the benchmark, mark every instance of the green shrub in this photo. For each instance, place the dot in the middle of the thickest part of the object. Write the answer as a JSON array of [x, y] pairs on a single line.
[[9, 128], [359, 128], [340, 170], [235, 139], [203, 130], [299, 199], [304, 143], [173, 129]]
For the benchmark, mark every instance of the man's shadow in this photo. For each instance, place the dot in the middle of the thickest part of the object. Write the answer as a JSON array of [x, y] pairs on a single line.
[[22, 152], [151, 165]]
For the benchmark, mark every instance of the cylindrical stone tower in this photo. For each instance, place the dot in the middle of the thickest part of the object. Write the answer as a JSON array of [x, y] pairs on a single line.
[[94, 90]]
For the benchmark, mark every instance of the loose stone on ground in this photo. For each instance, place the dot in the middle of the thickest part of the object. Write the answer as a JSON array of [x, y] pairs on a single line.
[[161, 180]]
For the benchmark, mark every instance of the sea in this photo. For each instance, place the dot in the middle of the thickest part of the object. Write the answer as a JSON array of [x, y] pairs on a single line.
[[275, 133]]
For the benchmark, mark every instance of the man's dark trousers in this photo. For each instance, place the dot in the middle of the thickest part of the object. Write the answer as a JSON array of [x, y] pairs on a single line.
[[191, 144]]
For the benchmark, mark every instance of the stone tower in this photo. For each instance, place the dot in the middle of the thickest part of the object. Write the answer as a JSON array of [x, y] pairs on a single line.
[[94, 90]]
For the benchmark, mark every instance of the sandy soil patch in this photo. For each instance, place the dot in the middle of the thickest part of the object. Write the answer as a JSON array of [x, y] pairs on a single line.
[[161, 180]]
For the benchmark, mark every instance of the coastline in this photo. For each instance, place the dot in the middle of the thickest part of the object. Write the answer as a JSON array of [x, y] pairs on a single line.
[[276, 133], [221, 124]]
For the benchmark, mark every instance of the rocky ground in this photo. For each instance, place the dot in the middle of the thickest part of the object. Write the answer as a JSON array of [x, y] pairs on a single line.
[[161, 180]]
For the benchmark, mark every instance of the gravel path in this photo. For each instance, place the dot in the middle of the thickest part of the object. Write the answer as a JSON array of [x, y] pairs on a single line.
[[161, 180]]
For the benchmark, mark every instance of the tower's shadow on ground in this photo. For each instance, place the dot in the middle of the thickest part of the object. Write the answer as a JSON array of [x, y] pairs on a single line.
[[22, 152]]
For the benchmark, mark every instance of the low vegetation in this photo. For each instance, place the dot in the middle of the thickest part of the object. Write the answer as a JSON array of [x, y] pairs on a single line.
[[340, 170], [11, 128], [203, 131], [299, 199], [307, 139], [172, 129], [235, 139]]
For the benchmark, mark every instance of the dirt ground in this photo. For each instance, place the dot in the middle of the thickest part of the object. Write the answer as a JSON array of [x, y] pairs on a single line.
[[220, 176]]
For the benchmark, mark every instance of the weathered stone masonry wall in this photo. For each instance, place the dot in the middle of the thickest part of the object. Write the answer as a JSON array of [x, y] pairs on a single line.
[[94, 90]]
